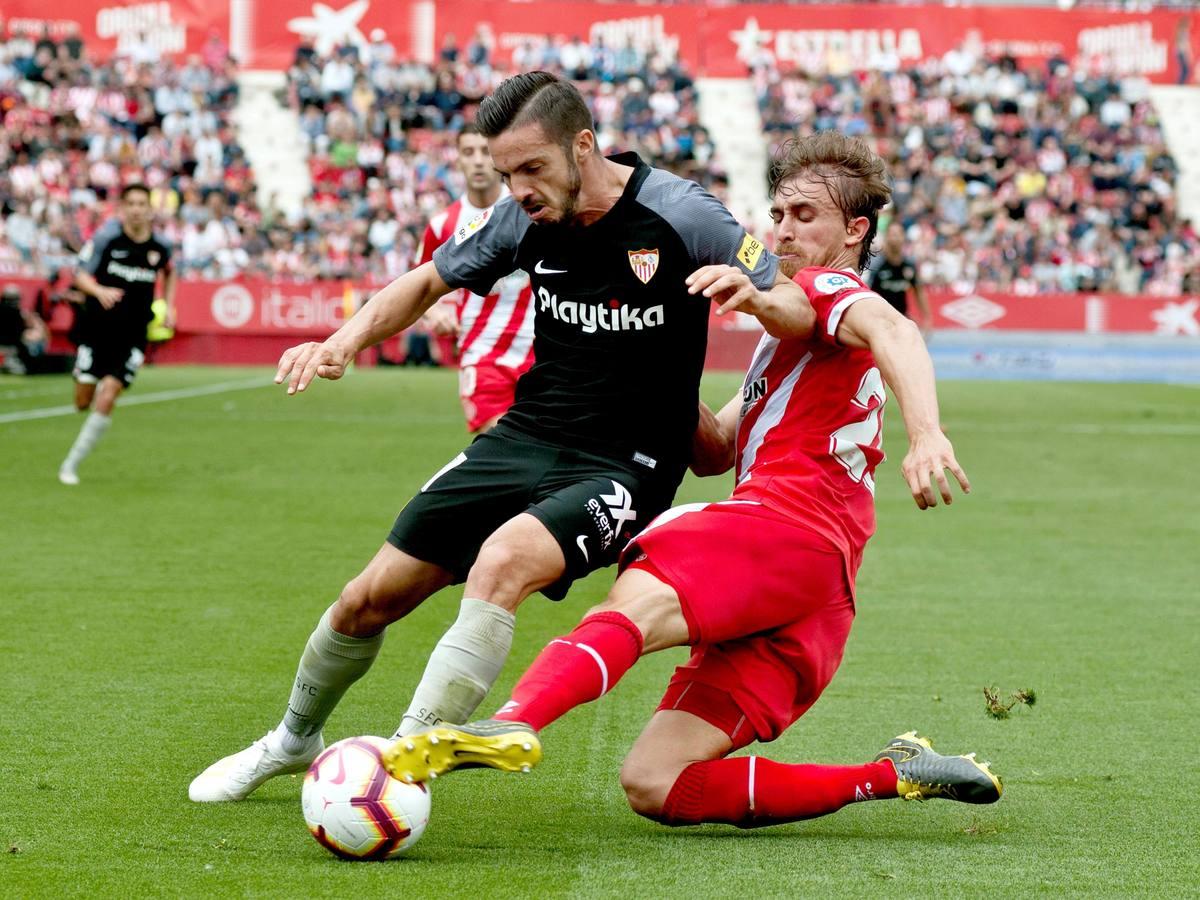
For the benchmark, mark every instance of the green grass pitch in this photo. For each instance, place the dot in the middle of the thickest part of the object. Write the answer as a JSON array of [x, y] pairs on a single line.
[[151, 619]]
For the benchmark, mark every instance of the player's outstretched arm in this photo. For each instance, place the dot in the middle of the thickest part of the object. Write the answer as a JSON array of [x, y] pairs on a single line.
[[714, 445], [784, 310], [389, 312], [900, 353]]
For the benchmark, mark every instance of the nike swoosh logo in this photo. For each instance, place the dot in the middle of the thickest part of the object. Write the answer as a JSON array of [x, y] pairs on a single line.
[[542, 270], [582, 542]]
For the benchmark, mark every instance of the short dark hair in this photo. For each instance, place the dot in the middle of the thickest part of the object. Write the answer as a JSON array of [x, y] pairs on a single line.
[[134, 186], [855, 176], [542, 97], [469, 128]]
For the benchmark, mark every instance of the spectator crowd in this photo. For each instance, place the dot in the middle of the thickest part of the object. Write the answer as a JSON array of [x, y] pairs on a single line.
[[380, 132], [73, 130], [1006, 178]]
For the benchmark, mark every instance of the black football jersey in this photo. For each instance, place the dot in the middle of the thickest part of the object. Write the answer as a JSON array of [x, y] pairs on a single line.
[[619, 343], [114, 259], [892, 281]]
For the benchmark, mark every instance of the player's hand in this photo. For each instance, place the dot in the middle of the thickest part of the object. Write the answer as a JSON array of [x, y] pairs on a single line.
[[109, 296], [727, 285], [441, 320], [301, 364], [931, 454]]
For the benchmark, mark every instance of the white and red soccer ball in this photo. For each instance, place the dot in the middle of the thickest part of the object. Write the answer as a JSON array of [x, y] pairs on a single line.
[[355, 809]]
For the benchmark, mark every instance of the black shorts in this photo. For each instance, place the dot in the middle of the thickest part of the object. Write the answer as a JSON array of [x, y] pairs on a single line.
[[592, 505], [93, 362]]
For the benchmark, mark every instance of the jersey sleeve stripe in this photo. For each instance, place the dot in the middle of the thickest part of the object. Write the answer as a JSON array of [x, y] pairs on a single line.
[[839, 309]]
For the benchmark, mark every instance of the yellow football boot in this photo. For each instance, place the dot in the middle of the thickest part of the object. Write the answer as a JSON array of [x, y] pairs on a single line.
[[491, 743]]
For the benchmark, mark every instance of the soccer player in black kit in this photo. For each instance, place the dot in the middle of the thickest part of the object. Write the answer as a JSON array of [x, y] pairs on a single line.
[[594, 446], [119, 273], [895, 275]]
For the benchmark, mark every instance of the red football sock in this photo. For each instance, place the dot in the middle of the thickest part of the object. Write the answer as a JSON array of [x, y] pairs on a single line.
[[574, 669], [751, 791]]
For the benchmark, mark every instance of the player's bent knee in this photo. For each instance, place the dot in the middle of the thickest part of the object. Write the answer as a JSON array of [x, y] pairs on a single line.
[[645, 790], [502, 575]]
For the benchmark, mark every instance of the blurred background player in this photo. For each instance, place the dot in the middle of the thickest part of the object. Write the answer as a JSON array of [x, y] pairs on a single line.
[[760, 585], [495, 333], [120, 271], [23, 334], [893, 276]]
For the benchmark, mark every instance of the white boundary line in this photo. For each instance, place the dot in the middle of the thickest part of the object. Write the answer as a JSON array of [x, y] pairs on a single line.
[[22, 393], [222, 387]]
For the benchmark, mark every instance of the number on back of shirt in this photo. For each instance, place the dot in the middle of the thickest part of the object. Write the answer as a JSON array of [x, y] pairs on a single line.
[[848, 443]]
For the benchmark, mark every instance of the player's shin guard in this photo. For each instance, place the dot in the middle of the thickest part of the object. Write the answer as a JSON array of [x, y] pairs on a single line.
[[751, 792], [330, 664], [462, 668], [575, 669]]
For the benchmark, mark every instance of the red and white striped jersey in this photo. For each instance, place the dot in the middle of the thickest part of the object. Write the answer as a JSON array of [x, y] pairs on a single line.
[[810, 432], [495, 330]]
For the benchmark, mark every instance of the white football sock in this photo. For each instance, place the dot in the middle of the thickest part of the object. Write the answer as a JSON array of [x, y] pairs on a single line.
[[463, 667], [94, 428], [330, 664]]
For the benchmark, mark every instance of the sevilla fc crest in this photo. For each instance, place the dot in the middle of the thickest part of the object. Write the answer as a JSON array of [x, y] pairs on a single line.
[[153, 257], [644, 264]]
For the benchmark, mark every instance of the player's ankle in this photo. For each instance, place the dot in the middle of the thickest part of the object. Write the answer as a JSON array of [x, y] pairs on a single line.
[[289, 742]]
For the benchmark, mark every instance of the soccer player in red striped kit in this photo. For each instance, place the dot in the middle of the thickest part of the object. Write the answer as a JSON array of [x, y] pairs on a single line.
[[494, 332], [761, 585]]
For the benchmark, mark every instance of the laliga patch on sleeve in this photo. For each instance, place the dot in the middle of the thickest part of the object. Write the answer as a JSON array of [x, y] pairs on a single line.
[[473, 226], [832, 282], [750, 251]]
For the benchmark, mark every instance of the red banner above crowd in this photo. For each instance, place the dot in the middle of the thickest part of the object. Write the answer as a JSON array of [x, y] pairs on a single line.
[[106, 27], [717, 40]]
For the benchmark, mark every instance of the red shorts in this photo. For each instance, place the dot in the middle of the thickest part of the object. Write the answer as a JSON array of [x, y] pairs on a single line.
[[768, 611], [486, 392]]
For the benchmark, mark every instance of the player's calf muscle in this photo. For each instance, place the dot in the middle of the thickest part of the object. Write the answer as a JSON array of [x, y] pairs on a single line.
[[367, 605]]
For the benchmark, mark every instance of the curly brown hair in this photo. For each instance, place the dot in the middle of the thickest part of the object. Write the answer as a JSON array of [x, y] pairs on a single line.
[[854, 175]]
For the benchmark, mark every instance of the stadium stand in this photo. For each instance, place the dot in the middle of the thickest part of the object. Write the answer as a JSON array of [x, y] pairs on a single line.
[[1011, 179], [75, 130], [380, 132]]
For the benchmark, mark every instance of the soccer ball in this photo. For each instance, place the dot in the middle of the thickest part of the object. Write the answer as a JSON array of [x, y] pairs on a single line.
[[355, 809]]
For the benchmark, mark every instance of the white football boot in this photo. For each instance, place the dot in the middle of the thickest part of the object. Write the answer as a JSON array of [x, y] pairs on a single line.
[[236, 777]]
